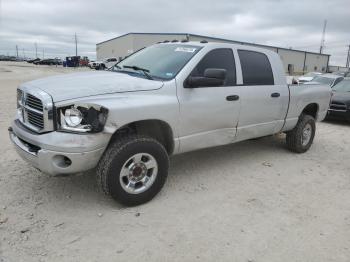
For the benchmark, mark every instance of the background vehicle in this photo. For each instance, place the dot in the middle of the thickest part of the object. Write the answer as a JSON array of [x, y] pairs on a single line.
[[92, 64], [168, 98], [72, 61], [8, 58], [308, 77], [340, 104], [344, 74], [49, 61], [84, 61], [327, 79], [33, 60], [107, 63]]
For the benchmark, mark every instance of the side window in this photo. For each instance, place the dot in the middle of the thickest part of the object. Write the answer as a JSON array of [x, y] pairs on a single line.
[[218, 58], [256, 68]]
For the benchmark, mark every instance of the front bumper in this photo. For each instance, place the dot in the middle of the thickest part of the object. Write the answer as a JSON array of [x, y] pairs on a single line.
[[338, 114], [57, 153]]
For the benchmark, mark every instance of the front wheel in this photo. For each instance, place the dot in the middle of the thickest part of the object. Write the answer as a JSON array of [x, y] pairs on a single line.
[[133, 169], [300, 139]]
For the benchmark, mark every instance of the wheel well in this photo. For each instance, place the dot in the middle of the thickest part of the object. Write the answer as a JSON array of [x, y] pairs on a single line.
[[157, 129], [311, 110]]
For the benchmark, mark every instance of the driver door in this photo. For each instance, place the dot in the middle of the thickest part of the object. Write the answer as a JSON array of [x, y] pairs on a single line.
[[209, 115]]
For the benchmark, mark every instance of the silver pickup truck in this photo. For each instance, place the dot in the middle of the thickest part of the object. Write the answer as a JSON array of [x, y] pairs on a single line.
[[166, 99]]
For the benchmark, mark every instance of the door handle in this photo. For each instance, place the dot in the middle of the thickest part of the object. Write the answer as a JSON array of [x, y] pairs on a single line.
[[232, 98], [275, 95]]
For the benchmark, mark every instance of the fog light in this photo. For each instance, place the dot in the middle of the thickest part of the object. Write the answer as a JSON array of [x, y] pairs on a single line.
[[62, 161]]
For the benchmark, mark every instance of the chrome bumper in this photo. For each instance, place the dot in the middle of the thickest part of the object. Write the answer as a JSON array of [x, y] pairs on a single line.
[[57, 162]]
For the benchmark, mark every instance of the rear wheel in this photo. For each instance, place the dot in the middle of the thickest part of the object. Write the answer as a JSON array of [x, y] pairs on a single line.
[[133, 169], [300, 139]]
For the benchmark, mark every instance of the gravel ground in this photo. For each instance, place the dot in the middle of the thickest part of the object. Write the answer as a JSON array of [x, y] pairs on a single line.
[[251, 201]]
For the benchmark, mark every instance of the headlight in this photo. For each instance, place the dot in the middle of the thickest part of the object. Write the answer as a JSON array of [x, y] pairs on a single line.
[[19, 98], [73, 117], [78, 118], [20, 104]]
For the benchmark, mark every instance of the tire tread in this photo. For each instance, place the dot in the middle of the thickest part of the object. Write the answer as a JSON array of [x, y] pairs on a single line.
[[113, 150], [293, 136]]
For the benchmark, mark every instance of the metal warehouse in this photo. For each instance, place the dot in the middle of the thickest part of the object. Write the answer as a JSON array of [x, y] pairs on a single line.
[[295, 61]]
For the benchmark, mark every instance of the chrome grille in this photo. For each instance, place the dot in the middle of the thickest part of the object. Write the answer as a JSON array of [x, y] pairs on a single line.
[[35, 109], [34, 102], [35, 119]]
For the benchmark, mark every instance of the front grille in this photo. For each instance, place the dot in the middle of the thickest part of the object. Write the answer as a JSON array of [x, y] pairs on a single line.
[[35, 109], [338, 106], [35, 119], [34, 112], [34, 102]]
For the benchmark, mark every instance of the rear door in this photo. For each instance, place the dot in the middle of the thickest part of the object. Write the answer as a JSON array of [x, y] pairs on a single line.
[[209, 115], [263, 101]]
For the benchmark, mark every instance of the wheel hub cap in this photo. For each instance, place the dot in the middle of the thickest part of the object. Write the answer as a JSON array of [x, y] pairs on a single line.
[[306, 135], [138, 173]]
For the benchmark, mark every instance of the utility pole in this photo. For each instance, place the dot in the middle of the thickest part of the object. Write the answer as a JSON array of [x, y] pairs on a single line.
[[36, 50], [17, 51], [43, 53], [24, 54], [76, 44], [323, 36], [348, 58]]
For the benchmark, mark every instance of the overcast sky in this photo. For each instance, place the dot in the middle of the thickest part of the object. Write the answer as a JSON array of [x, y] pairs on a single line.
[[285, 23]]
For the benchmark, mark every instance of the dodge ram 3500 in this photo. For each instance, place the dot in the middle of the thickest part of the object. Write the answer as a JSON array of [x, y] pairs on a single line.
[[165, 99]]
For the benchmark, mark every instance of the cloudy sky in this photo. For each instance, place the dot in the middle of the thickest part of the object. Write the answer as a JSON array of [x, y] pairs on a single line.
[[286, 23]]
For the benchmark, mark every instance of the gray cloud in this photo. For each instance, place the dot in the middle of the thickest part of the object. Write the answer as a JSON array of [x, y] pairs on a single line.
[[52, 24]]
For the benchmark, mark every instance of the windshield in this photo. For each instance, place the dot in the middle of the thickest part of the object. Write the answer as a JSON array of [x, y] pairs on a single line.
[[162, 61], [323, 80], [343, 86]]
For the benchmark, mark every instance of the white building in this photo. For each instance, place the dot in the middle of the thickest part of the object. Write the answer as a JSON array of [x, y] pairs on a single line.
[[295, 61]]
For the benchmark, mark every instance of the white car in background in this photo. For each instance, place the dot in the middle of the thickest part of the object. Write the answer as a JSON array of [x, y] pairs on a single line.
[[326, 79], [104, 64], [308, 77]]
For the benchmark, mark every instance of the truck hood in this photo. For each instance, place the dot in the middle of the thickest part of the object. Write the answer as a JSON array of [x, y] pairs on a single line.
[[77, 85]]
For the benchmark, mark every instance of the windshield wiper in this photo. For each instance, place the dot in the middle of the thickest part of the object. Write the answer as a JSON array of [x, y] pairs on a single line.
[[143, 70]]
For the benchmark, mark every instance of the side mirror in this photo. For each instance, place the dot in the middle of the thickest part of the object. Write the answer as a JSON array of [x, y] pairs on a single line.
[[212, 77]]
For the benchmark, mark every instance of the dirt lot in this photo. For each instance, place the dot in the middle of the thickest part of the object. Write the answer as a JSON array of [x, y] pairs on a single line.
[[251, 201]]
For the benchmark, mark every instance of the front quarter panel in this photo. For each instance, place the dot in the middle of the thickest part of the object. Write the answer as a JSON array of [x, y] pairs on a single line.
[[128, 107]]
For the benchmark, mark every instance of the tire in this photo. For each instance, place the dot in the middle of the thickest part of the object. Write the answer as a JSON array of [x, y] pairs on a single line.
[[120, 156], [296, 141]]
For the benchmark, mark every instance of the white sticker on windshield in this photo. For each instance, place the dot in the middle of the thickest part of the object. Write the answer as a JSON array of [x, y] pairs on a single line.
[[185, 49]]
